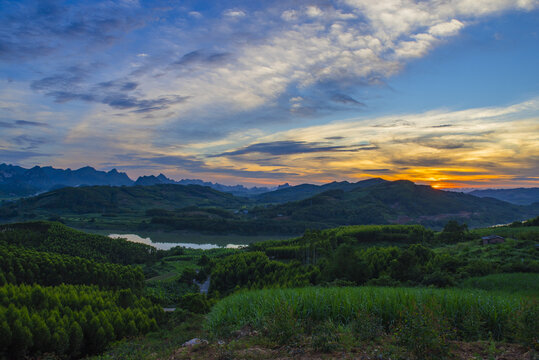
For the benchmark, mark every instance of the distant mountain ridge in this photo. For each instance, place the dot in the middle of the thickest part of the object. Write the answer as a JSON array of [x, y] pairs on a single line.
[[519, 196], [238, 190], [17, 181]]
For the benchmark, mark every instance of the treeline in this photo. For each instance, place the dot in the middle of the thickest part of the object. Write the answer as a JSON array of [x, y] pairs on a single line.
[[254, 270], [251, 226], [58, 238], [346, 256], [69, 320], [317, 244], [20, 265]]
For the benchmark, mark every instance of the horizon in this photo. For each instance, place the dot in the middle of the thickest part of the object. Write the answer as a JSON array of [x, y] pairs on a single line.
[[261, 94], [272, 187]]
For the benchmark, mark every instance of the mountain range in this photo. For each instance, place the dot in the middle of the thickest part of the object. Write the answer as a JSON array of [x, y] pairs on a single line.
[[16, 181], [520, 196], [290, 210]]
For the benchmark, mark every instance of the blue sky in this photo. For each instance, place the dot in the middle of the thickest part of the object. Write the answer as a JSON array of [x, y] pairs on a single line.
[[443, 93]]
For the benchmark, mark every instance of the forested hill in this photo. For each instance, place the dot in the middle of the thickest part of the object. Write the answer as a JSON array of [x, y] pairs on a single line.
[[520, 196], [304, 191], [399, 202], [103, 199], [202, 209], [58, 238]]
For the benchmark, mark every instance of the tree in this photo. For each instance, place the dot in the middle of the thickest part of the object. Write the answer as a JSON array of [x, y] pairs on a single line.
[[453, 232]]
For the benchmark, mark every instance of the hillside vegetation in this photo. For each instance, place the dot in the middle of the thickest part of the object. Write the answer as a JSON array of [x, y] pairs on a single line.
[[58, 238], [360, 288], [202, 209]]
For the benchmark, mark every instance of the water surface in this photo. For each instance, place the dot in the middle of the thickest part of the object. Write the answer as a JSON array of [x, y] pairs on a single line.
[[169, 245]]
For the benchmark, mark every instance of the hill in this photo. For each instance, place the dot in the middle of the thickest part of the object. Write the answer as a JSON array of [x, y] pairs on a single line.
[[135, 199], [304, 191], [520, 196], [202, 209], [400, 202]]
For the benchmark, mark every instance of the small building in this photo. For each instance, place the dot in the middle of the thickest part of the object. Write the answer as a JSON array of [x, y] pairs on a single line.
[[492, 239]]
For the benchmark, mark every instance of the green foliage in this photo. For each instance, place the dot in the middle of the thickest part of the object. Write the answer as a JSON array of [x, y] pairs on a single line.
[[367, 326], [281, 325], [255, 270], [326, 336], [453, 233], [195, 303], [523, 283], [526, 323], [495, 314], [71, 320], [28, 266], [58, 238], [167, 293], [424, 333]]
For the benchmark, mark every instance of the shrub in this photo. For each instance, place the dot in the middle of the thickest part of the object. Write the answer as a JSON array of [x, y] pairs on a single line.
[[424, 333], [326, 337], [526, 323], [196, 303], [367, 326], [282, 326]]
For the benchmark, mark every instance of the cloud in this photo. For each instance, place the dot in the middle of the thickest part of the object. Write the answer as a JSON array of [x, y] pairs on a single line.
[[234, 13], [202, 57], [195, 14], [346, 99], [29, 142], [68, 86], [29, 30], [21, 123], [13, 156], [30, 123], [284, 148], [142, 105], [381, 171]]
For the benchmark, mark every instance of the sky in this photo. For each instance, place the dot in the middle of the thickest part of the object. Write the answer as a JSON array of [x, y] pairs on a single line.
[[444, 93]]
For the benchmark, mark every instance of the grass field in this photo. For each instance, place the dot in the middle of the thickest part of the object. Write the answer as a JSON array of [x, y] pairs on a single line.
[[471, 314], [524, 232], [521, 283]]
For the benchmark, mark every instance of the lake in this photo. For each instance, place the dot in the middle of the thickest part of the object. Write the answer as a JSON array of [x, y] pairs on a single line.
[[168, 240], [170, 245]]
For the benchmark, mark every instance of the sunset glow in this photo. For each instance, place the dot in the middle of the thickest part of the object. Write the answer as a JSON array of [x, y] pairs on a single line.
[[262, 93]]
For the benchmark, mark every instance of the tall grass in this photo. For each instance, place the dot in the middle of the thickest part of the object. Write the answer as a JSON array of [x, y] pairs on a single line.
[[521, 283], [473, 314]]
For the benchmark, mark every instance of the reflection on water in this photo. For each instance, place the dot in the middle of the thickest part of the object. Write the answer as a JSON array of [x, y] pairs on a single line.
[[169, 245]]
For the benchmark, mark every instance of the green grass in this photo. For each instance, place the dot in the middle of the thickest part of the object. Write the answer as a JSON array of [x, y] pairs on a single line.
[[156, 345], [522, 283], [524, 232], [503, 256], [475, 314]]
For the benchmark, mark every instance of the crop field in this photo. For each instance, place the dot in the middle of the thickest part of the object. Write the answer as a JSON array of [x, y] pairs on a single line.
[[467, 314]]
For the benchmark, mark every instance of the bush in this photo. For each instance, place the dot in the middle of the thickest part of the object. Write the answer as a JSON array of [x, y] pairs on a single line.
[[527, 325], [196, 303], [367, 326], [326, 337], [423, 333], [283, 326]]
